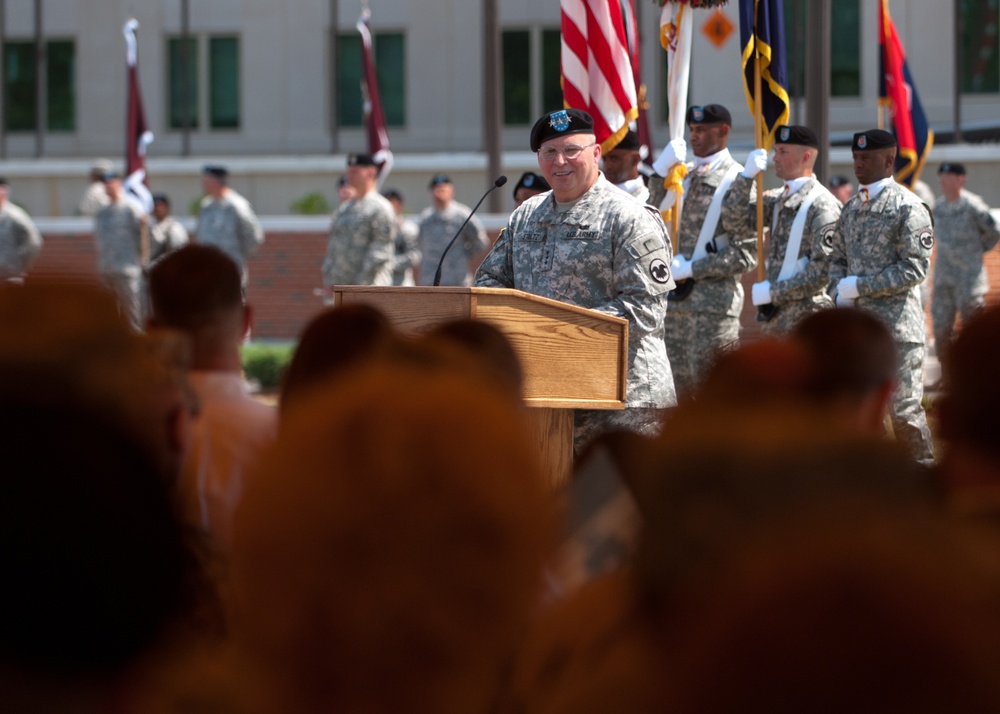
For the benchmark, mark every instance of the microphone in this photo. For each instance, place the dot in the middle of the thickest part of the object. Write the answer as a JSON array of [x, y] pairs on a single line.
[[496, 184]]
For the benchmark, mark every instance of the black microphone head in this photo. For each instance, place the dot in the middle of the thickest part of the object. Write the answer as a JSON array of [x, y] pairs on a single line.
[[500, 181]]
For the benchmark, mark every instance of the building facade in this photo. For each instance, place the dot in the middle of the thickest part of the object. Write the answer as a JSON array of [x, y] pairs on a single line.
[[272, 90]]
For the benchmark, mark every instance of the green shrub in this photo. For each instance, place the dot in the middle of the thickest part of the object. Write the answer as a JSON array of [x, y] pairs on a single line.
[[312, 204], [265, 363]]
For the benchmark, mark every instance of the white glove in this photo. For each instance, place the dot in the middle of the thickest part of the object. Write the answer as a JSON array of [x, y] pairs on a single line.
[[681, 268], [755, 163], [847, 288], [760, 293], [674, 152]]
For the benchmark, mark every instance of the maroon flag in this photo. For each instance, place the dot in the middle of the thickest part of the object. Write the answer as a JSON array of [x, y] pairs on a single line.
[[378, 138], [137, 135]]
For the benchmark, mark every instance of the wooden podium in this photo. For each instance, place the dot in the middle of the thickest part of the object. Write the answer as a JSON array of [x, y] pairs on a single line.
[[573, 358]]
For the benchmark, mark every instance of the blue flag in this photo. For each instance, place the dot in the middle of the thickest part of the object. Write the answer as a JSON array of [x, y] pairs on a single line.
[[762, 30]]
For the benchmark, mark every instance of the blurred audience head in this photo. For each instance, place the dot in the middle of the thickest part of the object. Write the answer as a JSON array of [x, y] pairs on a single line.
[[389, 549], [198, 289], [854, 361]]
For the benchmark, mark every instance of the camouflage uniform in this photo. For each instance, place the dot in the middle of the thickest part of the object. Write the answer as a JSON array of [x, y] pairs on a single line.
[[887, 243], [436, 229], [806, 291], [20, 241], [117, 233], [707, 322], [165, 236], [362, 243], [93, 199], [607, 253], [965, 230], [231, 226], [408, 253]]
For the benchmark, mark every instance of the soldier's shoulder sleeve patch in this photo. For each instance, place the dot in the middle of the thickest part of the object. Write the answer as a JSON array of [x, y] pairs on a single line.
[[827, 232], [926, 238]]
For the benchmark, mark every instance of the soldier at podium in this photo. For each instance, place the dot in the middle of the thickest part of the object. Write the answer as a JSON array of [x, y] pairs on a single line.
[[589, 244]]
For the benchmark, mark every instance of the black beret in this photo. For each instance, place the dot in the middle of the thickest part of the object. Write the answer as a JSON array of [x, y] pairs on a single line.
[[531, 180], [952, 168], [561, 123], [360, 160], [838, 181], [393, 194], [630, 142], [3, 181], [709, 114], [873, 140], [437, 180], [219, 172], [798, 135], [161, 198]]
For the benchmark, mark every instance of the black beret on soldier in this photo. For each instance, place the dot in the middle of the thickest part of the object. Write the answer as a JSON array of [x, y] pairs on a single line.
[[873, 140], [798, 135], [952, 168], [215, 171], [708, 114], [531, 180], [360, 160], [561, 123], [629, 142]]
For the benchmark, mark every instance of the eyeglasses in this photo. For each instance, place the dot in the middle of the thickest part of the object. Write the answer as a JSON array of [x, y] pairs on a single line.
[[570, 151]]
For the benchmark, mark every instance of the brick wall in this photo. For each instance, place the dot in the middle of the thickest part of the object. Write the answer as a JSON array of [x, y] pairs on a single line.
[[286, 271]]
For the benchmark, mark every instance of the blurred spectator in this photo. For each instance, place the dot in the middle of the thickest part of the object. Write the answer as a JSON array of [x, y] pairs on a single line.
[[197, 290], [382, 563]]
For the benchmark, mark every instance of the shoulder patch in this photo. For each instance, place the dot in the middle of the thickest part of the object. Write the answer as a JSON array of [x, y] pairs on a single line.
[[827, 232], [926, 239], [659, 271]]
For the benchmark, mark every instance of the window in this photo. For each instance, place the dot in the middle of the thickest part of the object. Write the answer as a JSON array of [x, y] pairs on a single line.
[[224, 82], [20, 95], [531, 74], [845, 52], [980, 56], [183, 81], [390, 69], [220, 75]]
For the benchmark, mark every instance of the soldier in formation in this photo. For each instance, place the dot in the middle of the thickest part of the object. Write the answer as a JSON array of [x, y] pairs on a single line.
[[438, 225], [801, 215], [362, 242], [20, 240], [704, 314], [881, 250], [227, 220], [118, 230], [965, 230]]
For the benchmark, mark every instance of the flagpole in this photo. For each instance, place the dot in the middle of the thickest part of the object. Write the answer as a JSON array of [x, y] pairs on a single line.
[[758, 129]]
